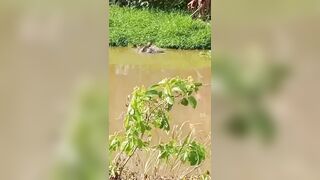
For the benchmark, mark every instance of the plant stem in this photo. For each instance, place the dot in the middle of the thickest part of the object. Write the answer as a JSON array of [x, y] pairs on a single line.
[[196, 167]]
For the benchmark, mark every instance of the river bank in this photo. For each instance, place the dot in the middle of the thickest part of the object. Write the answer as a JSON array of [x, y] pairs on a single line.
[[176, 30]]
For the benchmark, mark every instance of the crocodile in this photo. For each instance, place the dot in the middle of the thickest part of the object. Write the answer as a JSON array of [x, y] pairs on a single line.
[[150, 48]]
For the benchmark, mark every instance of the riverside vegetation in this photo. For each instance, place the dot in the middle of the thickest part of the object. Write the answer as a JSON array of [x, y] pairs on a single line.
[[179, 157], [174, 29]]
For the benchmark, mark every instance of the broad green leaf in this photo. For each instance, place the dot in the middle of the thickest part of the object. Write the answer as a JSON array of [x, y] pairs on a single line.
[[184, 102], [192, 101], [154, 86], [152, 93], [193, 158]]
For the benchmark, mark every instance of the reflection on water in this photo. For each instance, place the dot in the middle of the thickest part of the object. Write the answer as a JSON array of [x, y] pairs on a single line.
[[129, 69], [122, 69]]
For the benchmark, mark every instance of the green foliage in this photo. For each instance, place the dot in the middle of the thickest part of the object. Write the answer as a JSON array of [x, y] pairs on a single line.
[[153, 4], [194, 153], [249, 113], [83, 157], [166, 29], [187, 151], [149, 109]]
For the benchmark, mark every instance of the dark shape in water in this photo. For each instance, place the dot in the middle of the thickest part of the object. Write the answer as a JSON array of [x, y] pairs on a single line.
[[150, 48]]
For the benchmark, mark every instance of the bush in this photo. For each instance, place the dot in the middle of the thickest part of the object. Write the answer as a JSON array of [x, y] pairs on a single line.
[[148, 112]]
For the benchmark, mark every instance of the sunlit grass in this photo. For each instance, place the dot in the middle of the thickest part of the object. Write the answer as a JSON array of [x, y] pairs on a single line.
[[168, 30]]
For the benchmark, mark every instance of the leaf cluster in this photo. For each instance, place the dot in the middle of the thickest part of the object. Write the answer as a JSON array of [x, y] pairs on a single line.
[[247, 91], [189, 151]]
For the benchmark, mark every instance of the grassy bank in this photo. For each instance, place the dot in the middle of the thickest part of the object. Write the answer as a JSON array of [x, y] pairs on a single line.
[[168, 30]]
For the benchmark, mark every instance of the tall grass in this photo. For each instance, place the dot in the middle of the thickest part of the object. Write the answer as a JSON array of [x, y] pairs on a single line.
[[153, 4], [168, 30]]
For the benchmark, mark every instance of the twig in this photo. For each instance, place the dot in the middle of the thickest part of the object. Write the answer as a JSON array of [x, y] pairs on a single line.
[[196, 167]]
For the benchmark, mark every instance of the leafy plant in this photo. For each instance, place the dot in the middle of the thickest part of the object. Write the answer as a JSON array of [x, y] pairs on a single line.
[[83, 154], [148, 110], [247, 91]]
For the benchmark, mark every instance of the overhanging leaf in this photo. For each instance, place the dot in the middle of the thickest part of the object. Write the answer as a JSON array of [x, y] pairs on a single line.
[[192, 101]]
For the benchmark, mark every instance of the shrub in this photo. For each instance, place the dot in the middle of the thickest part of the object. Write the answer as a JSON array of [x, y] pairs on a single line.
[[148, 110]]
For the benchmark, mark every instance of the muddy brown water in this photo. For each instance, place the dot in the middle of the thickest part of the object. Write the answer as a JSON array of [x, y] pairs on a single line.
[[128, 69]]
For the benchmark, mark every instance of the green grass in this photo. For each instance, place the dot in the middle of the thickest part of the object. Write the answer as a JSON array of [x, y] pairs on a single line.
[[168, 30]]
